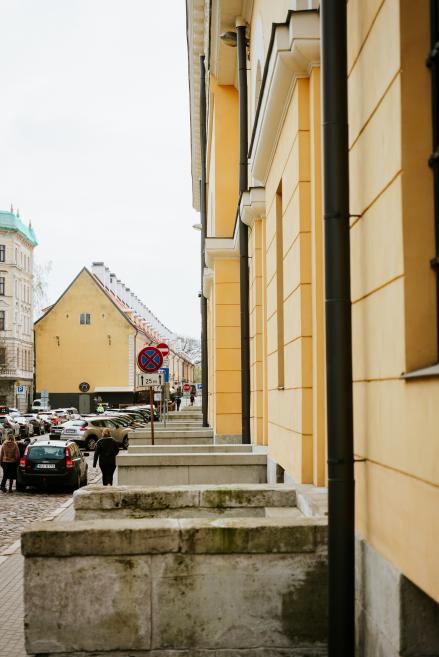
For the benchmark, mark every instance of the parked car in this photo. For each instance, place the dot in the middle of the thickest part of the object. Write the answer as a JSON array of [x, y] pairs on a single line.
[[67, 412], [34, 418], [26, 427], [47, 420], [13, 411], [9, 425], [86, 432], [50, 463], [40, 405], [136, 421], [57, 428]]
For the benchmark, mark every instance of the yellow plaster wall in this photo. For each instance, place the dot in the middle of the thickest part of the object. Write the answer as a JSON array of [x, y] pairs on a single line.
[[226, 347], [225, 157], [256, 328], [289, 409], [84, 352], [393, 313]]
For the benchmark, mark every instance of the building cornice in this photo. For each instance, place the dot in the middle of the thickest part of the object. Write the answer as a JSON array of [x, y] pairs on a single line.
[[221, 248], [252, 205], [197, 30], [294, 51], [207, 282]]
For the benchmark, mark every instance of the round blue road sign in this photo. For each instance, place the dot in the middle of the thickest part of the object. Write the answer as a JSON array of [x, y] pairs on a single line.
[[150, 360]]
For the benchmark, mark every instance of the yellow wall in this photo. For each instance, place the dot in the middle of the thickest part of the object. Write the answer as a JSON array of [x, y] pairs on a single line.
[[225, 154], [256, 331], [290, 439], [84, 352], [227, 340], [393, 314]]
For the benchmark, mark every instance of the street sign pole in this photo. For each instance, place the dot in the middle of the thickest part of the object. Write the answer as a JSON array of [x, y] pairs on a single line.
[[151, 401]]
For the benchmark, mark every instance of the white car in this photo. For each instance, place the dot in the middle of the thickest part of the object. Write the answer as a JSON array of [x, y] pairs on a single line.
[[9, 425]]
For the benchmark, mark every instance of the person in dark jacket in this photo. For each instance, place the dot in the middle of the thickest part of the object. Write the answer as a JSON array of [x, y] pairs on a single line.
[[106, 452], [177, 401]]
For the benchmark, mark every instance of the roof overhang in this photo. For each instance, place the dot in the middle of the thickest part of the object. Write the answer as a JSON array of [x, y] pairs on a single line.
[[294, 51], [221, 248], [197, 30], [252, 205]]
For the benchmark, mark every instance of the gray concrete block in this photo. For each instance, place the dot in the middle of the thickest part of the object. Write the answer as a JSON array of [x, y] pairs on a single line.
[[61, 614]]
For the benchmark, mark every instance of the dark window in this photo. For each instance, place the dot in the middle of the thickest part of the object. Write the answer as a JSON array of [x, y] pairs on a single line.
[[84, 318], [2, 252], [3, 356], [2, 285], [2, 320]]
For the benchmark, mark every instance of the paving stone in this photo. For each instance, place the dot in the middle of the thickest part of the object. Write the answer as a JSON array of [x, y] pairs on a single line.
[[17, 510]]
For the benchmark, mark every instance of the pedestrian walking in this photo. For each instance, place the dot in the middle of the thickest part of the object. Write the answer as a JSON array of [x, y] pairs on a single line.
[[9, 458], [192, 398], [177, 401], [105, 452]]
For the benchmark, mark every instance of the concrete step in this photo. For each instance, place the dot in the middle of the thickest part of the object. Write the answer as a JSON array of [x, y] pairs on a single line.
[[170, 433], [184, 469], [185, 415], [180, 425], [188, 449], [174, 439], [239, 500]]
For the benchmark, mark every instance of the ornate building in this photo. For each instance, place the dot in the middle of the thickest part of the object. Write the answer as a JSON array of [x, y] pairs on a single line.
[[17, 242]]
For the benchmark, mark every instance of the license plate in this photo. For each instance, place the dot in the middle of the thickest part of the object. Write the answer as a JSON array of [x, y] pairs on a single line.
[[70, 431], [46, 466]]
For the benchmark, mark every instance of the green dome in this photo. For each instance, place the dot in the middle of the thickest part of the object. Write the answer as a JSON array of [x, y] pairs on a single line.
[[10, 221]]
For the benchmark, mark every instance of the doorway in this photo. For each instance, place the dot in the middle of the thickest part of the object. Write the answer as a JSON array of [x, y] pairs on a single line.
[[84, 404]]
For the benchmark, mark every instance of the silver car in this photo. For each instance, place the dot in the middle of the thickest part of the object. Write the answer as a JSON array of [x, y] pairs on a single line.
[[87, 431]]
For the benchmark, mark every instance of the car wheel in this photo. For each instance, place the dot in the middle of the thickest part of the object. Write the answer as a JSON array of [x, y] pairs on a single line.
[[91, 442], [125, 442]]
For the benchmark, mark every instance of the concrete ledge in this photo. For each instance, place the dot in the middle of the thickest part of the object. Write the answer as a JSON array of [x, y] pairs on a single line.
[[186, 469], [169, 588], [185, 536], [188, 449], [170, 432], [174, 439], [181, 501], [193, 460]]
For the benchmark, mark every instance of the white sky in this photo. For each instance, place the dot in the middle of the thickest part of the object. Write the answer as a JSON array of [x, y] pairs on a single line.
[[94, 144]]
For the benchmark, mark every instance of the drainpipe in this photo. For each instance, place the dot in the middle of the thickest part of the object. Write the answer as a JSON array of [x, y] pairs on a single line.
[[338, 330], [203, 212], [243, 232]]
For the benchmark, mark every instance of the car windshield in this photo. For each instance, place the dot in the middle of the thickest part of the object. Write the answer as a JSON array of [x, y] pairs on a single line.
[[75, 423], [3, 419], [46, 452]]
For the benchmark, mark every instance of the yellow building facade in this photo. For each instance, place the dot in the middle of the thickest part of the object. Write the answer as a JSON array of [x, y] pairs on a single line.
[[86, 348], [393, 287]]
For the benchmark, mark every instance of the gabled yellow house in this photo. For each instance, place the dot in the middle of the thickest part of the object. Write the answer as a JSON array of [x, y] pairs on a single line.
[[86, 347]]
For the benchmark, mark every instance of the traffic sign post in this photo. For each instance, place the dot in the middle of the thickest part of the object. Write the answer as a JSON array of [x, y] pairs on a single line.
[[149, 360], [146, 380], [163, 348], [151, 405]]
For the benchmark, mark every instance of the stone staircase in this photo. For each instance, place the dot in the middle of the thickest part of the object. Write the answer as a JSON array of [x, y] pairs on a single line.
[[185, 452]]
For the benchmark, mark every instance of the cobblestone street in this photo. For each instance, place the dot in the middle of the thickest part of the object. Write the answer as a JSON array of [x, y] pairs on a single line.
[[19, 509], [16, 511]]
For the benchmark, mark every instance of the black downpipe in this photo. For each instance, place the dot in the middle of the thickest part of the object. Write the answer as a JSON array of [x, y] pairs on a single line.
[[341, 489], [433, 65], [243, 236], [204, 356]]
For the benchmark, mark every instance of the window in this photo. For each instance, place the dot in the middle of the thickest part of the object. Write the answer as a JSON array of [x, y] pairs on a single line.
[[2, 285], [85, 318], [2, 320], [2, 356], [2, 252]]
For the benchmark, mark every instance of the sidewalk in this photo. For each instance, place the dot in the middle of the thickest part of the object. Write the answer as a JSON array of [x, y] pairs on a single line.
[[11, 592]]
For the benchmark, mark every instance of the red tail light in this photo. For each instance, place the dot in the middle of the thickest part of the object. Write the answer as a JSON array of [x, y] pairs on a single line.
[[69, 462], [23, 458], [84, 428]]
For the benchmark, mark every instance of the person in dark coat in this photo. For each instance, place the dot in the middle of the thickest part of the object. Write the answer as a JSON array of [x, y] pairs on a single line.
[[177, 401], [106, 452]]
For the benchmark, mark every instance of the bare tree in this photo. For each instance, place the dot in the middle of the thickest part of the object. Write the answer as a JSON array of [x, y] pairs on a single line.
[[191, 347]]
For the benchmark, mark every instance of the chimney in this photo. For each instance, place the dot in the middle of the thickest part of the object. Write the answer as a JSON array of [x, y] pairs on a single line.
[[119, 288], [98, 270], [113, 283], [107, 278]]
